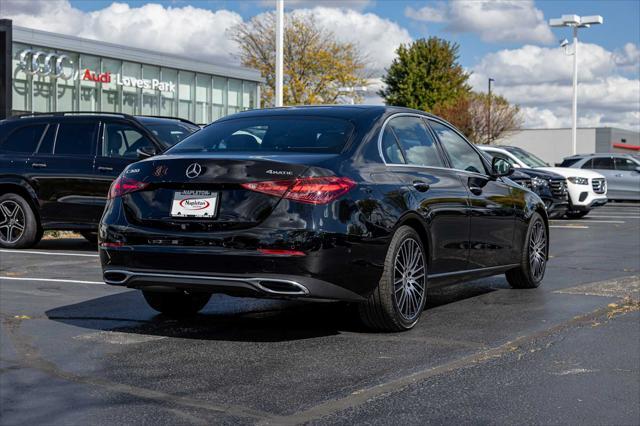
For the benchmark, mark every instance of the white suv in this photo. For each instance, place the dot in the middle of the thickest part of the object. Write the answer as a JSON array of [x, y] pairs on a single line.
[[586, 189]]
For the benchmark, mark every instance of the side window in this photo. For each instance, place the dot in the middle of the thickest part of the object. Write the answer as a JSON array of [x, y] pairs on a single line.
[[603, 163], [625, 164], [46, 144], [417, 144], [588, 164], [75, 139], [23, 140], [390, 148], [123, 141], [461, 153]]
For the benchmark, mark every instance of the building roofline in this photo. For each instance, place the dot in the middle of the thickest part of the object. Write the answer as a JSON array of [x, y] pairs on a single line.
[[579, 128], [133, 54]]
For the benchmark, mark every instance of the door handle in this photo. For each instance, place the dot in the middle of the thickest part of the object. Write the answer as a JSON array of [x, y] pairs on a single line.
[[475, 190], [421, 186], [105, 169], [39, 165], [618, 175]]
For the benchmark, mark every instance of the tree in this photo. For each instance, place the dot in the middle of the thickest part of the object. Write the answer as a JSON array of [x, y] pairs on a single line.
[[316, 65], [425, 75], [470, 114]]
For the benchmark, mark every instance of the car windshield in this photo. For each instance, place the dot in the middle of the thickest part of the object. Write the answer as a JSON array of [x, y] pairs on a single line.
[[270, 134], [568, 162], [170, 134], [527, 158]]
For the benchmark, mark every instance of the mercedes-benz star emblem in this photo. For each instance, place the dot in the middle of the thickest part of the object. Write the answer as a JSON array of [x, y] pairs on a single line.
[[194, 170]]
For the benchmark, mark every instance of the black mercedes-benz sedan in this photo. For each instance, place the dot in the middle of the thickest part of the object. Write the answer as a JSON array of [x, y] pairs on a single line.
[[367, 204]]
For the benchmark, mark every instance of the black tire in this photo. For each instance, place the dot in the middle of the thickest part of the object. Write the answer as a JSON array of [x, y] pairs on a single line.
[[176, 304], [383, 311], [92, 237], [16, 213], [577, 214], [528, 274]]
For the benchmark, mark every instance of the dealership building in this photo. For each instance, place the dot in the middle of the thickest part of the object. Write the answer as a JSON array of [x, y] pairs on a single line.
[[553, 145], [47, 72]]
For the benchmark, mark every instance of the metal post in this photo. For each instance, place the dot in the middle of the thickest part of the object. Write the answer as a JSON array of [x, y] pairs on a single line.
[[279, 52], [489, 115], [574, 126]]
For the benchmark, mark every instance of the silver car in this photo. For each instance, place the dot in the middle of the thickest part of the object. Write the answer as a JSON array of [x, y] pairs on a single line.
[[621, 170]]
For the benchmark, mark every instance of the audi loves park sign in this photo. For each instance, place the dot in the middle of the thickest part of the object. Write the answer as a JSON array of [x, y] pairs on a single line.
[[36, 62]]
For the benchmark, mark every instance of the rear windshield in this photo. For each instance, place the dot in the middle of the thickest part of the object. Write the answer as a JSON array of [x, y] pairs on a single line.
[[270, 134], [170, 133], [569, 161]]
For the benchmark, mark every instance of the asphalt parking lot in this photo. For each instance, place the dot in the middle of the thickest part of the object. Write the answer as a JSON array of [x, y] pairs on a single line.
[[76, 351]]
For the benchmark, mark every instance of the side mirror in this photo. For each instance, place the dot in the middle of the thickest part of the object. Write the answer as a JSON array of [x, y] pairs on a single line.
[[500, 167], [637, 169], [146, 152]]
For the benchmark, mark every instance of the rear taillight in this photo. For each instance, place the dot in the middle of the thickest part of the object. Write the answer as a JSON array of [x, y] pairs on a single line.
[[125, 185], [311, 190]]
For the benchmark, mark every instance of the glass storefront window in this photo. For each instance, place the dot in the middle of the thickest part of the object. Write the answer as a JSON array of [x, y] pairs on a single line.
[[203, 95], [89, 89], [167, 98], [219, 98], [248, 95], [185, 94], [20, 85], [114, 85], [235, 99], [150, 98], [130, 94], [66, 88]]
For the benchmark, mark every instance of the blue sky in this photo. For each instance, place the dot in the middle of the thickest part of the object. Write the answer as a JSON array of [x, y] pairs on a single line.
[[621, 19], [508, 40]]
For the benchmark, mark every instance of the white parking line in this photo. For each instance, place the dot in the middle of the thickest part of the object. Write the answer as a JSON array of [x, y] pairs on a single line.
[[48, 253], [614, 217], [569, 226], [587, 221], [54, 280]]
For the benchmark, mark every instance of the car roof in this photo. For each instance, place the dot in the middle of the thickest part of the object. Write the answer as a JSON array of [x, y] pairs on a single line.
[[336, 111], [599, 154], [38, 116]]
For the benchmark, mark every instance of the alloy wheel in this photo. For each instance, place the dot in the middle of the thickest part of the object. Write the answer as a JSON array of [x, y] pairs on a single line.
[[409, 279], [538, 250], [12, 221]]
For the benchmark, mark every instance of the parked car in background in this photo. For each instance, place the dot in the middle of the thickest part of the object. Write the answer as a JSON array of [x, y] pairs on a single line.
[[367, 204], [550, 187], [586, 189], [622, 172], [56, 169]]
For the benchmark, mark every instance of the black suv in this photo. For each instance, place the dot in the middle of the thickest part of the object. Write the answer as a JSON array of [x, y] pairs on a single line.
[[56, 169]]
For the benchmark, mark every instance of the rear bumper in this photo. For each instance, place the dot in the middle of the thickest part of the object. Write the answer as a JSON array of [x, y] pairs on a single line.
[[263, 286], [339, 272]]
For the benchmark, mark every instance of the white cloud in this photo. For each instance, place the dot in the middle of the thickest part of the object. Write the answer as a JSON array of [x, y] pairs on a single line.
[[150, 26], [427, 13], [539, 79], [511, 21], [377, 37], [342, 4]]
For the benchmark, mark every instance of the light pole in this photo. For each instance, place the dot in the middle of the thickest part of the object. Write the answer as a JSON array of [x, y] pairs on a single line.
[[491, 80], [279, 55], [575, 22]]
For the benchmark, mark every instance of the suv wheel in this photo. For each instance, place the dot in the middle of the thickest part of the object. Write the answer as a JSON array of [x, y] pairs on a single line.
[[18, 223], [534, 256], [397, 302], [176, 304]]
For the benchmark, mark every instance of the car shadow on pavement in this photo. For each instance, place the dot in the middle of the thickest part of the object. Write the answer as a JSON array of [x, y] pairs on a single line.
[[75, 244], [229, 318]]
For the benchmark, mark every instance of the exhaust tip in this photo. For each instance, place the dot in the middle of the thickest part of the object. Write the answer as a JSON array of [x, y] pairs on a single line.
[[115, 277], [283, 287]]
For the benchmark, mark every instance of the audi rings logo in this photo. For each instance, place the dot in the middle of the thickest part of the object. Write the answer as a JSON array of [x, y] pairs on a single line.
[[194, 170], [37, 62]]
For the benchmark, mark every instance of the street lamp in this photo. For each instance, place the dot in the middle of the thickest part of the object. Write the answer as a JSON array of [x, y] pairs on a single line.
[[279, 52], [491, 80], [575, 22]]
